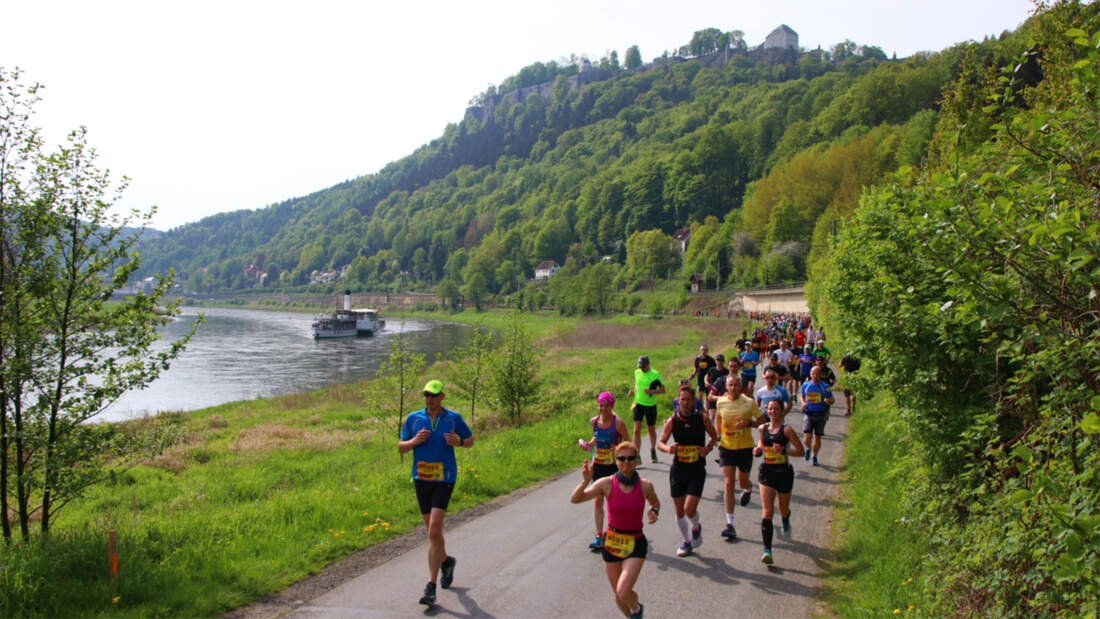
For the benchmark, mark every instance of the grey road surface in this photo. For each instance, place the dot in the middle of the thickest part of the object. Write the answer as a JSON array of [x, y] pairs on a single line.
[[530, 558]]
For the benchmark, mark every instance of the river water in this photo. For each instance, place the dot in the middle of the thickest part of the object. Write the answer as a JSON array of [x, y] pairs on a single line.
[[244, 354]]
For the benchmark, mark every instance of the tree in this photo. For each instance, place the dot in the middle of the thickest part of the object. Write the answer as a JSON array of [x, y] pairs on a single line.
[[472, 366], [477, 290], [448, 293], [65, 354], [632, 59], [398, 378], [513, 370]]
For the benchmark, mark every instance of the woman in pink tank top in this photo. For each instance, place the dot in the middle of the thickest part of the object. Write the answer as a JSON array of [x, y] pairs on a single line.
[[624, 544]]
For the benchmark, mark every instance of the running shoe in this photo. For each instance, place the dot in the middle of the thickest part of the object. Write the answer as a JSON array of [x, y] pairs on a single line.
[[653, 455], [697, 536], [766, 558], [815, 460], [785, 530], [429, 595], [638, 615], [807, 455], [596, 545], [684, 549], [746, 495], [447, 569], [729, 533]]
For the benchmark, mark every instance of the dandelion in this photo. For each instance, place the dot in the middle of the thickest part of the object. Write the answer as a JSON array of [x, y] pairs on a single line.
[[910, 609], [115, 599], [897, 611]]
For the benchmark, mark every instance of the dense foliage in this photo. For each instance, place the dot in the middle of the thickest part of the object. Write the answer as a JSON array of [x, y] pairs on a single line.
[[972, 287], [572, 173]]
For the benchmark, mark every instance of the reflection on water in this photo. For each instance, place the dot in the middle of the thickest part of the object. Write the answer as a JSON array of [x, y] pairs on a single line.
[[245, 354]]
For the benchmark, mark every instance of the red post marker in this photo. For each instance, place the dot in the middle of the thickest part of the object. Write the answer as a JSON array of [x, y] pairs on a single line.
[[112, 556]]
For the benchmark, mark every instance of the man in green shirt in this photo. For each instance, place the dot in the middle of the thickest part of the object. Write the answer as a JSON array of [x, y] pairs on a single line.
[[647, 385]]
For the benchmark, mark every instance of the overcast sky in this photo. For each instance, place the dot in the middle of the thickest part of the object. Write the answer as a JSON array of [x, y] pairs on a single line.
[[218, 106]]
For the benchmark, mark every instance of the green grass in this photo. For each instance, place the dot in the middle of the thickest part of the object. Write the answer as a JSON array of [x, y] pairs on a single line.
[[877, 552], [263, 493]]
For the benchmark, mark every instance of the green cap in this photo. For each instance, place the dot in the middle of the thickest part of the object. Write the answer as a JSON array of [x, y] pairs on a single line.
[[434, 387]]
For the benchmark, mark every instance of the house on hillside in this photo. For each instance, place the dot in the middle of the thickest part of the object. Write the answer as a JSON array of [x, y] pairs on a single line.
[[682, 236], [782, 37], [546, 269], [696, 282]]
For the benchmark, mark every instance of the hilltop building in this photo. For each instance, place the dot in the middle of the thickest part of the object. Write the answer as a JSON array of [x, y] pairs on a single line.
[[782, 37]]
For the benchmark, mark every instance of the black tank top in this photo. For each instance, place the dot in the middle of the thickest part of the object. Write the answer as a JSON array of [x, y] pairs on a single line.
[[689, 432], [779, 438]]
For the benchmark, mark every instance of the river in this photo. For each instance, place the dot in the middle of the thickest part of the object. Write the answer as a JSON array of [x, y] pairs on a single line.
[[240, 354]]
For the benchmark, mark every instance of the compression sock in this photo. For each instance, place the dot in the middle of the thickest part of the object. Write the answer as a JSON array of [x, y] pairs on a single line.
[[767, 529], [684, 525], [786, 519], [695, 520]]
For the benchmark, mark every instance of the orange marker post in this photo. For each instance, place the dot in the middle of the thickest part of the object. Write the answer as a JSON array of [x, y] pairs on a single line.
[[112, 555]]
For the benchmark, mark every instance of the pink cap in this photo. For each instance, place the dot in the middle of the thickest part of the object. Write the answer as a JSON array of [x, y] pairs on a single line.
[[605, 398]]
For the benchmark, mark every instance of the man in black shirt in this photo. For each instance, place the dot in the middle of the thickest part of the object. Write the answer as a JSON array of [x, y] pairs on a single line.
[[703, 363]]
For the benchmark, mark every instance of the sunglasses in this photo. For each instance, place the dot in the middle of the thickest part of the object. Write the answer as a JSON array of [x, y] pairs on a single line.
[[626, 458]]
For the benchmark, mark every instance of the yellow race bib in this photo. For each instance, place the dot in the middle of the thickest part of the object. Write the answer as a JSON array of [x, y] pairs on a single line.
[[618, 545], [604, 455], [813, 397], [773, 455], [429, 471], [687, 453], [731, 430], [747, 365]]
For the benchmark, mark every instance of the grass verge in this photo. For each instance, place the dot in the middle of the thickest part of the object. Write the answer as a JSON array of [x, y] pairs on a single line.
[[876, 552]]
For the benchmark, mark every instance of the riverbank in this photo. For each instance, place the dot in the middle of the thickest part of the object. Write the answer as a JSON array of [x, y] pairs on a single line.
[[256, 495]]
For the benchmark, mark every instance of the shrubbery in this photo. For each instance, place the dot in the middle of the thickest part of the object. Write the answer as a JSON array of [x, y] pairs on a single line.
[[973, 288]]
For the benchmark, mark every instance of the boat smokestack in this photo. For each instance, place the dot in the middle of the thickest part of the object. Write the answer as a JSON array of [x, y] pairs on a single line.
[[347, 299]]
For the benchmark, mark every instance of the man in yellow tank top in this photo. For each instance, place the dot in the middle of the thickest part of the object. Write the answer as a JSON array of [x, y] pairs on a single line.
[[736, 415]]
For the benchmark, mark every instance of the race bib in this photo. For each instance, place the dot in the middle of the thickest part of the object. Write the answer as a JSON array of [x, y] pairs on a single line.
[[619, 545], [748, 365], [604, 455], [687, 453], [773, 455], [429, 471], [703, 365], [731, 430], [813, 397]]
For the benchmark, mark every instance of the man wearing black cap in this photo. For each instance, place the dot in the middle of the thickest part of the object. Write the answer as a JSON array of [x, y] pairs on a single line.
[[647, 385]]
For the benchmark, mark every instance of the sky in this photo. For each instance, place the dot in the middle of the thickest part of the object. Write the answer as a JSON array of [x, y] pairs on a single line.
[[218, 106]]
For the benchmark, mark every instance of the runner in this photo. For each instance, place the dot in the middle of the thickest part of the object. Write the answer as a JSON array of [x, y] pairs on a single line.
[[702, 363], [737, 413], [821, 351], [749, 360], [607, 431], [777, 442], [805, 362], [685, 479], [625, 547], [771, 390], [851, 364], [432, 434], [647, 384], [816, 400]]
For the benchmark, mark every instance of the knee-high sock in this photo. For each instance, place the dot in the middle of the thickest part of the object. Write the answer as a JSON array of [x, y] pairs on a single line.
[[766, 531], [685, 527]]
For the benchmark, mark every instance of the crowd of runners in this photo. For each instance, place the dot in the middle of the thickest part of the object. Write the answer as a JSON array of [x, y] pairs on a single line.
[[736, 405]]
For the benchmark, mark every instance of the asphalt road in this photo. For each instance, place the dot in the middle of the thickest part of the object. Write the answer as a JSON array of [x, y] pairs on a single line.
[[530, 558]]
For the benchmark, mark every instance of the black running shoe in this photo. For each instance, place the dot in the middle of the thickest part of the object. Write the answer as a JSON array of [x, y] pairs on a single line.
[[429, 594], [746, 496], [447, 572], [638, 615]]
